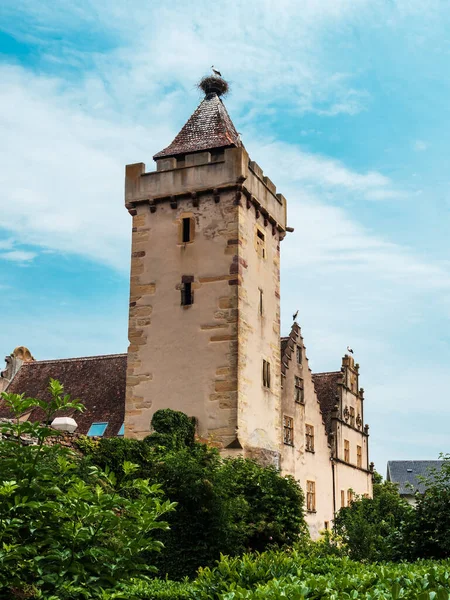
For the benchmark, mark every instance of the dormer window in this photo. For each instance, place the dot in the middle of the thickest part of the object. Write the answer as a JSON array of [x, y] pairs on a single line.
[[97, 429]]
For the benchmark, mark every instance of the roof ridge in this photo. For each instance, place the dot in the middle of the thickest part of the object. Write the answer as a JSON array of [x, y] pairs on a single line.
[[74, 359], [327, 373]]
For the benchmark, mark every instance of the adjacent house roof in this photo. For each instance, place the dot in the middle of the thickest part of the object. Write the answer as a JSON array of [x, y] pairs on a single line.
[[209, 127], [98, 381], [405, 473], [326, 385]]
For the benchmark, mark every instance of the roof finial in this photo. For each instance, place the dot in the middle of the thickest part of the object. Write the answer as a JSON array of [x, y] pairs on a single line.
[[214, 84]]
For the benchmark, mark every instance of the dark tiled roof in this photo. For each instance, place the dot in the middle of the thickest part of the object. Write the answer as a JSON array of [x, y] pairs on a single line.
[[326, 385], [209, 127], [405, 473], [98, 381]]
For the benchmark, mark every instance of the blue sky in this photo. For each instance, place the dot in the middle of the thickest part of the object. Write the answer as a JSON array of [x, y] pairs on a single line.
[[344, 103]]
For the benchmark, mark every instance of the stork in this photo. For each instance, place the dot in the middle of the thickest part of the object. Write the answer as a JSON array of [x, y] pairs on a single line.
[[294, 316], [349, 350], [216, 72]]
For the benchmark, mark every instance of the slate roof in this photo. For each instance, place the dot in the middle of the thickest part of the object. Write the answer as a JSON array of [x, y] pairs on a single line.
[[405, 473], [208, 127], [98, 381], [326, 386]]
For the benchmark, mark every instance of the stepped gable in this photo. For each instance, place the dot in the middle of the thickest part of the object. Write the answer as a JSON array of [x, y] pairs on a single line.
[[288, 347], [208, 128], [327, 391], [98, 381]]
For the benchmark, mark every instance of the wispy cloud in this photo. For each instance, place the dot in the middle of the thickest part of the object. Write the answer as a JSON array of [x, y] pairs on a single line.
[[420, 146], [19, 256]]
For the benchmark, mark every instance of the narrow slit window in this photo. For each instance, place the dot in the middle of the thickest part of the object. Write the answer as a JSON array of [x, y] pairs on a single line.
[[187, 296], [299, 355], [97, 429], [186, 230], [266, 374], [261, 306]]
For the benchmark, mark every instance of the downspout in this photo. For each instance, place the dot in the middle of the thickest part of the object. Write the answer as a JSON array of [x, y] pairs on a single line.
[[334, 487]]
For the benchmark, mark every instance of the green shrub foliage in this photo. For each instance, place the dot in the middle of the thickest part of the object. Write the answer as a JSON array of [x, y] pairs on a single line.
[[68, 530], [429, 531], [222, 506], [374, 528]]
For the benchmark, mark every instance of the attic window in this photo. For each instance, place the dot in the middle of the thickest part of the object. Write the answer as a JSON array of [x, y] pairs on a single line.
[[121, 431], [97, 429]]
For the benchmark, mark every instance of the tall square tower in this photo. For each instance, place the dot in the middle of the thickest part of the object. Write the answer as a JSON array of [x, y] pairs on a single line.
[[204, 320]]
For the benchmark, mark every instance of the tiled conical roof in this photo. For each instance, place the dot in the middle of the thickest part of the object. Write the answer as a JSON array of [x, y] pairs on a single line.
[[209, 127]]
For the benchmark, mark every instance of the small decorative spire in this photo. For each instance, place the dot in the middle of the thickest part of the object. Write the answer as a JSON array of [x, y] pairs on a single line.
[[212, 84]]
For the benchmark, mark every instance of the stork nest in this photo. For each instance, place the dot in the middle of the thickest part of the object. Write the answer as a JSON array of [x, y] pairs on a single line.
[[212, 83]]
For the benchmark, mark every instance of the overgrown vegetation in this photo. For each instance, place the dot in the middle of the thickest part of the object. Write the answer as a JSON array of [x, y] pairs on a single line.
[[69, 531], [223, 506], [90, 525]]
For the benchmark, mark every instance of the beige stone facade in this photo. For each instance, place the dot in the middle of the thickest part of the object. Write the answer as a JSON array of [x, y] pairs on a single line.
[[204, 322]]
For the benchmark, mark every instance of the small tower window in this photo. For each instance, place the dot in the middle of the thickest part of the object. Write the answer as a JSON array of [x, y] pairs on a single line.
[[359, 456], [187, 295], [187, 230], [261, 303], [299, 355], [266, 374], [260, 243]]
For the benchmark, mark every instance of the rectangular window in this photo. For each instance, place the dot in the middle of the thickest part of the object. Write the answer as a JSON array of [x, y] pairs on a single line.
[[299, 355], [309, 438], [299, 392], [349, 497], [260, 302], [266, 374], [342, 498], [121, 432], [187, 295], [288, 430], [352, 416], [186, 233], [97, 429], [346, 451], [311, 496], [327, 525], [260, 243], [359, 456]]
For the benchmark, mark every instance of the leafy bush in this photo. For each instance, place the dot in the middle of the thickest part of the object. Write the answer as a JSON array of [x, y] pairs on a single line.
[[222, 506], [374, 528], [65, 530], [276, 575], [429, 531]]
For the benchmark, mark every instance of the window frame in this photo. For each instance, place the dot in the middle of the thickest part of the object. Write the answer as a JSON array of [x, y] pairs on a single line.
[[260, 242], [342, 498], [299, 390], [309, 437], [347, 451], [359, 456], [310, 496], [288, 430]]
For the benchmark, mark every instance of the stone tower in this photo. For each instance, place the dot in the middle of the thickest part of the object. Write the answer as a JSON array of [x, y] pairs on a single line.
[[204, 321]]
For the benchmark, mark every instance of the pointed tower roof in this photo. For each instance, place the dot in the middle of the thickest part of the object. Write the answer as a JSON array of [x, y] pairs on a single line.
[[209, 126]]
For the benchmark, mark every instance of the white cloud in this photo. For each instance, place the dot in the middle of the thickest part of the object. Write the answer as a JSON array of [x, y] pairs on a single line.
[[18, 255]]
